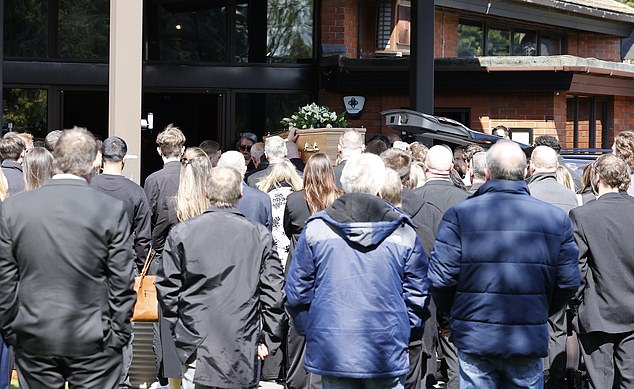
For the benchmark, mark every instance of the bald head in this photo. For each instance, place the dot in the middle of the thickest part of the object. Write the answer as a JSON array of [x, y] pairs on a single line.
[[351, 143], [544, 160], [439, 160], [506, 161]]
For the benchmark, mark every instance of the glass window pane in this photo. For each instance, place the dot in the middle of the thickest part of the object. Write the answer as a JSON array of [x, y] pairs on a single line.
[[549, 44], [191, 31], [25, 110], [84, 29], [25, 28], [261, 113], [470, 40], [524, 43], [290, 30], [498, 42]]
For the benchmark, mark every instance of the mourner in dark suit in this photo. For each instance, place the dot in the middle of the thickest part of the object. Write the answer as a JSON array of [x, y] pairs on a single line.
[[254, 204], [276, 151], [223, 302], [161, 188], [12, 150], [603, 232], [66, 270], [350, 144]]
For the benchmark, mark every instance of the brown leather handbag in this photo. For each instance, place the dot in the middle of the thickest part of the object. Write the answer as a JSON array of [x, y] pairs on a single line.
[[146, 307]]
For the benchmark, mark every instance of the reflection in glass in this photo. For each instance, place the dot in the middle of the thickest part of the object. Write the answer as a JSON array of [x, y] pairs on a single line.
[[524, 43], [549, 44], [261, 113], [25, 110], [84, 29], [194, 32], [25, 28], [470, 40], [498, 42], [290, 30]]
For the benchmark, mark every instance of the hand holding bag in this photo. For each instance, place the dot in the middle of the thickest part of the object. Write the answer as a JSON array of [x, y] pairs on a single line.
[[146, 307]]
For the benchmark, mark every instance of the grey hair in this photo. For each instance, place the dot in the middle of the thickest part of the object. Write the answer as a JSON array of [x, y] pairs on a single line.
[[275, 148], [233, 159], [506, 161], [224, 187], [479, 164], [364, 173]]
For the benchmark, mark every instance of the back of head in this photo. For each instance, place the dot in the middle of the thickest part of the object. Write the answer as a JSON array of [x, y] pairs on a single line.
[[392, 187], [319, 183], [171, 141], [479, 165], [51, 139], [544, 159], [257, 150], [75, 152], [191, 198], [565, 178], [37, 167], [471, 150], [418, 151], [506, 161], [27, 139], [351, 140], [282, 173], [439, 160], [502, 131], [364, 173], [624, 147], [210, 147], [275, 148], [550, 141], [612, 171], [399, 161], [113, 149], [224, 187], [11, 146], [234, 160], [376, 146]]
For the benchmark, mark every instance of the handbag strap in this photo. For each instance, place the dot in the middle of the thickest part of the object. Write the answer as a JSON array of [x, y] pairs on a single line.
[[148, 260]]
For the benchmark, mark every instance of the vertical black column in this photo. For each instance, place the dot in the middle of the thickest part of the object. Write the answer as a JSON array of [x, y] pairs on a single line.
[[592, 121], [575, 131], [421, 89], [606, 126]]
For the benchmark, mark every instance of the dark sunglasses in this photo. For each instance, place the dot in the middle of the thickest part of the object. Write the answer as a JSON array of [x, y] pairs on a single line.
[[245, 148]]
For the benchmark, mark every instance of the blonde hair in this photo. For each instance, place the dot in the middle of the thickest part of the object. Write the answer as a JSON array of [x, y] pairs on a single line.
[[565, 178], [392, 187], [4, 186], [191, 198], [319, 183], [37, 166], [171, 141], [417, 176], [282, 172]]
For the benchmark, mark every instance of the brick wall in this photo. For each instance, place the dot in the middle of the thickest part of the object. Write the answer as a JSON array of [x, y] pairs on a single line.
[[445, 34], [623, 115], [339, 24], [591, 45]]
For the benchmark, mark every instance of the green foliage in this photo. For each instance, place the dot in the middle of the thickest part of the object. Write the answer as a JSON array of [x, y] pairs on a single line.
[[26, 109], [469, 41], [628, 2], [314, 116]]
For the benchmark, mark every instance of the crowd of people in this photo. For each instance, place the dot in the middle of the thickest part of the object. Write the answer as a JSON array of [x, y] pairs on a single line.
[[395, 266]]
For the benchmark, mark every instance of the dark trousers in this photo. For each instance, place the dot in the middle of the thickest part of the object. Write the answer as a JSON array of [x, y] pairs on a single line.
[[296, 376], [450, 354], [417, 365], [101, 370], [555, 362], [609, 359]]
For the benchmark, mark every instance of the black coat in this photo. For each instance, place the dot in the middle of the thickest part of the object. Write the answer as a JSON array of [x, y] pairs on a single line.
[[136, 206], [221, 289], [296, 213], [441, 193], [425, 215], [161, 188], [66, 270], [15, 178], [603, 231]]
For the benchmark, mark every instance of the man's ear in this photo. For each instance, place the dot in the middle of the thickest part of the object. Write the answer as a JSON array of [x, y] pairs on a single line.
[[487, 174]]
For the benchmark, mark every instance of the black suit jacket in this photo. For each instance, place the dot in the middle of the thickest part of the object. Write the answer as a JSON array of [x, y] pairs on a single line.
[[66, 265], [603, 231], [441, 193], [161, 188], [15, 178]]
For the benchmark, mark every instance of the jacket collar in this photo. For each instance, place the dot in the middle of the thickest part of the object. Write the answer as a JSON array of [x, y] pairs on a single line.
[[439, 182], [66, 182], [224, 210], [541, 177], [503, 186], [11, 165]]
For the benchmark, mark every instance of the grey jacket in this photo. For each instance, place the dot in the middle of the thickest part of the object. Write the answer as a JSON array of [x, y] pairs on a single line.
[[545, 187]]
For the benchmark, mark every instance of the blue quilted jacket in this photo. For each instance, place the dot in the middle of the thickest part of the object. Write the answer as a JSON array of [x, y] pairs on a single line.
[[501, 261], [356, 287]]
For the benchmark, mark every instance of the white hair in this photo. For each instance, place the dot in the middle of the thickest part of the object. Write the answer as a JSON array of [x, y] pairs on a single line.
[[364, 173], [274, 148], [234, 160]]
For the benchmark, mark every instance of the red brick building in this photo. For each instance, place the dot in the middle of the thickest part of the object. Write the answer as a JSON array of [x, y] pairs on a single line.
[[540, 67]]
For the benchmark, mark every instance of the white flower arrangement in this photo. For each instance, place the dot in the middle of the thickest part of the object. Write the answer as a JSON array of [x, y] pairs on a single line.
[[314, 116]]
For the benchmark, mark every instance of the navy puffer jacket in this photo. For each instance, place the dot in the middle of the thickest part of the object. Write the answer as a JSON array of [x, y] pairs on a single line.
[[356, 287], [503, 259]]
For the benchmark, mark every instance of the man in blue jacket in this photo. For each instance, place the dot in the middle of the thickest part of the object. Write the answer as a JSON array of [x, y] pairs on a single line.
[[357, 285], [501, 262]]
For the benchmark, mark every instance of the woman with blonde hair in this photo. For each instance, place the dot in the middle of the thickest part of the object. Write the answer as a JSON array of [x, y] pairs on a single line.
[[320, 191], [191, 198], [37, 167]]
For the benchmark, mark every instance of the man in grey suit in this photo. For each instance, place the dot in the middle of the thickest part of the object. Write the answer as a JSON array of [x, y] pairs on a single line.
[[603, 232], [66, 265]]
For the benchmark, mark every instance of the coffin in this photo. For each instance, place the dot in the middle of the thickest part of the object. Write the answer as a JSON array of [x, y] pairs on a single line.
[[319, 140]]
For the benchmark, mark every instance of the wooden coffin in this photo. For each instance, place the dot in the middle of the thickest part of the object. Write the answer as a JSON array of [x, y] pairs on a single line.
[[319, 140]]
